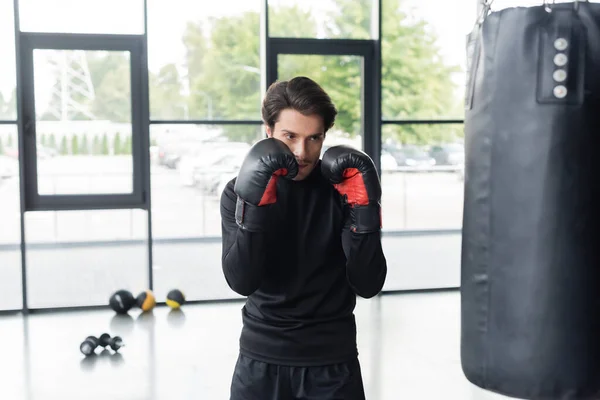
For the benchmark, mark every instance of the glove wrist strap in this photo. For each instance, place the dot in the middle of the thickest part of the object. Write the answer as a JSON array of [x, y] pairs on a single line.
[[365, 219], [250, 217]]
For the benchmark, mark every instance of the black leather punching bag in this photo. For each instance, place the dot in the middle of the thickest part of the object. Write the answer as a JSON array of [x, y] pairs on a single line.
[[530, 254]]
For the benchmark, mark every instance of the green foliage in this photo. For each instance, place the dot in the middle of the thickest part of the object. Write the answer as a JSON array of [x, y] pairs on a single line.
[[64, 148], [1, 146], [84, 147], [126, 146], [74, 145], [416, 81], [52, 141], [229, 84], [117, 146], [104, 150], [10, 141], [166, 100], [96, 148]]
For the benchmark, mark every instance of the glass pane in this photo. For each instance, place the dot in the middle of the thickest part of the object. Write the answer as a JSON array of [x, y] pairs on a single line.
[[8, 79], [424, 58], [339, 19], [204, 59], [413, 264], [83, 111], [89, 16], [341, 78], [10, 221], [79, 258], [191, 164], [422, 176]]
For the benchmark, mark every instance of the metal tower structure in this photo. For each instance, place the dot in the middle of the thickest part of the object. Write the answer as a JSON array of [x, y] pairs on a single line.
[[73, 91]]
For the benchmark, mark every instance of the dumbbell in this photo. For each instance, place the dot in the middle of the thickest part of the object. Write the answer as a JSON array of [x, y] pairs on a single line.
[[89, 345]]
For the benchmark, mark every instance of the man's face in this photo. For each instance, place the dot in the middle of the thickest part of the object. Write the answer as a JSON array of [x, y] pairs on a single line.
[[304, 136]]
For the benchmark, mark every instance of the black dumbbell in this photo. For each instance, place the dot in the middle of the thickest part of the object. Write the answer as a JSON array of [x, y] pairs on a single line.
[[114, 343], [89, 345]]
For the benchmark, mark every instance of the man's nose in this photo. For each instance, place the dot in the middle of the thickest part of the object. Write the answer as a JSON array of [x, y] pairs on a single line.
[[300, 150]]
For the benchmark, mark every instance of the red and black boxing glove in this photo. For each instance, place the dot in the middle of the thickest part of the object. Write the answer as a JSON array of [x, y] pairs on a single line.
[[256, 183], [353, 174]]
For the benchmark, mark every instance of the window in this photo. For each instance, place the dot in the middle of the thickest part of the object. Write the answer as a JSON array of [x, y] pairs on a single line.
[[422, 176], [8, 91], [204, 60], [79, 258], [322, 19], [423, 58], [90, 16], [191, 164], [83, 115], [10, 234]]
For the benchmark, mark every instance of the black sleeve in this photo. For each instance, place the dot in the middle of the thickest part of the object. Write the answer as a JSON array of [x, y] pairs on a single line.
[[366, 266], [244, 252]]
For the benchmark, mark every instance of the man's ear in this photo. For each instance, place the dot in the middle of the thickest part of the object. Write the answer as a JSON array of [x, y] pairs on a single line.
[[268, 131]]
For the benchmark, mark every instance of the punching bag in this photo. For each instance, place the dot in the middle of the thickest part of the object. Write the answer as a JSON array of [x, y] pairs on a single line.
[[530, 268]]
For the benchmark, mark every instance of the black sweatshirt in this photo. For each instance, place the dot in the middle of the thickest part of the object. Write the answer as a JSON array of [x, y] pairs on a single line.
[[302, 277]]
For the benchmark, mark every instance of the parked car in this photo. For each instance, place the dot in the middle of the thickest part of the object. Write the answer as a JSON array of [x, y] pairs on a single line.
[[411, 156], [448, 154], [200, 166]]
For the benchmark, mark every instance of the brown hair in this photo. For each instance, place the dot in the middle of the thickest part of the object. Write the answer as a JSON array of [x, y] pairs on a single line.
[[301, 94]]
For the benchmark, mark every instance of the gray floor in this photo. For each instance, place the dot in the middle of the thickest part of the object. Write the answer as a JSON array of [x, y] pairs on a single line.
[[409, 349]]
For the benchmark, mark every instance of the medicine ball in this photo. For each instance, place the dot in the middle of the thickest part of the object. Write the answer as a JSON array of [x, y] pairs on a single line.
[[146, 300], [175, 299], [121, 301]]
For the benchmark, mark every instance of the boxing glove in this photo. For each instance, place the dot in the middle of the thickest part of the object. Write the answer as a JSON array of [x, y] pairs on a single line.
[[256, 183], [353, 174]]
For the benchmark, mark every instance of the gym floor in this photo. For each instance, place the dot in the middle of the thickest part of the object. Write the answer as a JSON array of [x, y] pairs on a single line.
[[408, 343]]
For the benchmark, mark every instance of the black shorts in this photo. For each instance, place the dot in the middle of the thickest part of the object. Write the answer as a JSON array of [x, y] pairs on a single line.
[[256, 380]]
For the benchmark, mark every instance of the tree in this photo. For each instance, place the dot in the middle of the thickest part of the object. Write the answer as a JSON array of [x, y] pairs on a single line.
[[224, 69], [127, 144], [110, 72], [166, 99], [84, 147], [52, 141], [416, 82], [64, 149], [229, 87], [1, 146], [104, 149], [117, 147], [96, 148], [74, 145], [224, 83]]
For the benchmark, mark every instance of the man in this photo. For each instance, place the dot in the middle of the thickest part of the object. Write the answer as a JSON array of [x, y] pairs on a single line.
[[301, 239]]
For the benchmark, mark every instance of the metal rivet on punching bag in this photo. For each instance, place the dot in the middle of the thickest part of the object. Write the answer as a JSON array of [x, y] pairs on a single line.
[[561, 44], [560, 91], [560, 75], [560, 59]]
